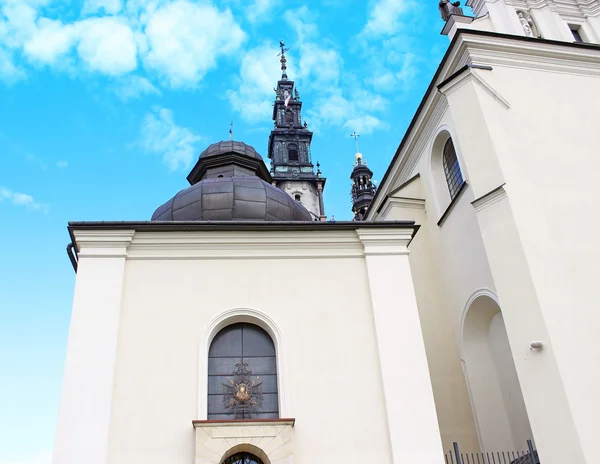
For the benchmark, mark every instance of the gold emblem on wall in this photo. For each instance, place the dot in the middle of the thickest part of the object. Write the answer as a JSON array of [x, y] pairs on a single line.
[[243, 392]]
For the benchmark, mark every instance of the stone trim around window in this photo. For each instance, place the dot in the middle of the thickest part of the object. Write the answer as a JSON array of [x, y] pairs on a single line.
[[461, 190], [268, 439]]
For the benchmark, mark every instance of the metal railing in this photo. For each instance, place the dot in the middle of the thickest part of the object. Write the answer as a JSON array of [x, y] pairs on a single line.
[[530, 456]]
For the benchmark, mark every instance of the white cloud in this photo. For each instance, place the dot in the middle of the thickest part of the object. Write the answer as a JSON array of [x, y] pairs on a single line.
[[186, 39], [317, 65], [385, 17], [135, 87], [395, 78], [9, 71], [109, 6], [19, 199], [353, 114], [308, 64], [107, 45], [258, 10], [160, 135], [62, 164], [259, 71], [50, 41], [364, 124]]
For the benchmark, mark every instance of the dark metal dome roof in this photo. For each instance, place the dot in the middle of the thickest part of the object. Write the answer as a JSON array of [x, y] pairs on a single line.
[[229, 146], [232, 199]]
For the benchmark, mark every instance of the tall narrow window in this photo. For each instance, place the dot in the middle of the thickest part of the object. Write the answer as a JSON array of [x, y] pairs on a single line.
[[454, 177], [242, 374], [575, 30], [292, 152]]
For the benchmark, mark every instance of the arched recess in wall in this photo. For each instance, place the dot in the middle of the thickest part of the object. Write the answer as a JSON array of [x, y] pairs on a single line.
[[228, 318], [447, 174], [251, 453], [492, 380]]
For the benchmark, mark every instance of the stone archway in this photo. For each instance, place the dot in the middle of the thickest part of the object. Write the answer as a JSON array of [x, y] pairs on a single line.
[[269, 440], [492, 380], [243, 449]]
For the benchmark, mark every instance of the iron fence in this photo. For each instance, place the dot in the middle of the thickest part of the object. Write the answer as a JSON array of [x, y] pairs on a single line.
[[530, 456]]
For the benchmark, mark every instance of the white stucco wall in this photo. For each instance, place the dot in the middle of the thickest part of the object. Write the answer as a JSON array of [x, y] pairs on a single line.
[[354, 374], [524, 133], [552, 174], [308, 195]]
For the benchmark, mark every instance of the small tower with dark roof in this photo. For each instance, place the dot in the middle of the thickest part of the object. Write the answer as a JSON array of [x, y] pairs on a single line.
[[363, 188]]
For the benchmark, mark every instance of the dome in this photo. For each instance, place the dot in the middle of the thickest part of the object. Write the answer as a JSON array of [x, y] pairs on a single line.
[[229, 146], [232, 199]]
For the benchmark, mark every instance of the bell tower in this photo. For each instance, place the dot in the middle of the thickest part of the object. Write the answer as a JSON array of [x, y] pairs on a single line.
[[289, 148], [363, 187]]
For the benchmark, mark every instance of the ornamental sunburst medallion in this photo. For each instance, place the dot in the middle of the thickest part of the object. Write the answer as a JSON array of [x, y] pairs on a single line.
[[243, 392]]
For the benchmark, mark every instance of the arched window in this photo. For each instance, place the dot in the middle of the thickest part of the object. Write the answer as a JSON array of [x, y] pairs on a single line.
[[242, 374], [298, 197], [454, 177], [243, 458], [292, 152], [289, 117]]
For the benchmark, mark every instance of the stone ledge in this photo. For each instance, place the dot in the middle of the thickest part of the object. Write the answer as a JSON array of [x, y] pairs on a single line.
[[269, 439]]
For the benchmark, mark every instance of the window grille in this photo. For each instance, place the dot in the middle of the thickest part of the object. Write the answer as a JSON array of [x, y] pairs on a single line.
[[454, 177], [243, 458], [236, 345]]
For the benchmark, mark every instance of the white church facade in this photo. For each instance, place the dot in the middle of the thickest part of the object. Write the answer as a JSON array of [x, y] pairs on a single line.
[[461, 304]]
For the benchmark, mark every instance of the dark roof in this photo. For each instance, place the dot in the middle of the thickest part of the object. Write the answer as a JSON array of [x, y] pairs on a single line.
[[232, 199], [230, 146], [161, 226]]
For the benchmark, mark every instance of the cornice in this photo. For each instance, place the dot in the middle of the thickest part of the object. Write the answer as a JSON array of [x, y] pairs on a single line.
[[472, 75], [385, 242], [493, 196], [402, 202], [112, 243], [244, 422], [531, 53], [244, 245]]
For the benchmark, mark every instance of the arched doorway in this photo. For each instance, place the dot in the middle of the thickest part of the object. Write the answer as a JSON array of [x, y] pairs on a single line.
[[243, 458], [496, 396]]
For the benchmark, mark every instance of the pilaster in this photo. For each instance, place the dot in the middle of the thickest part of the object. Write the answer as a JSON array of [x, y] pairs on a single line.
[[85, 411], [412, 421]]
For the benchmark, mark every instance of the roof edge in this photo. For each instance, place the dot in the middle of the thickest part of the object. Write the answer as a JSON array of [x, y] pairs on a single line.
[[188, 226], [432, 85]]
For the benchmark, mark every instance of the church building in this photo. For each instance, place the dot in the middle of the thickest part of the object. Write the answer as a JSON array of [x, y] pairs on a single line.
[[458, 308]]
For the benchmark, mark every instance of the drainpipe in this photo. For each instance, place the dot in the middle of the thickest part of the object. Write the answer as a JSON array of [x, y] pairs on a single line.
[[72, 253]]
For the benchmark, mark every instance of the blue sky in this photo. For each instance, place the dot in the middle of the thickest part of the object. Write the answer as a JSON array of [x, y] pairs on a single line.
[[105, 105]]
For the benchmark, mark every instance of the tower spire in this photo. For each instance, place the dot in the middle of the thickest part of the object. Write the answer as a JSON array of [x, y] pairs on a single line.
[[283, 60], [363, 187], [289, 147]]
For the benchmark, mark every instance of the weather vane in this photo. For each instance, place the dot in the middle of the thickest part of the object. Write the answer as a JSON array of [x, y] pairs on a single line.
[[231, 130], [283, 60], [356, 136]]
